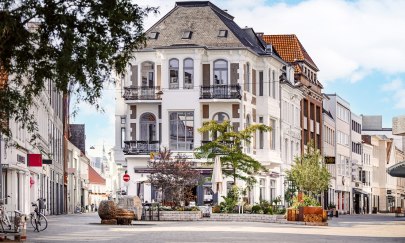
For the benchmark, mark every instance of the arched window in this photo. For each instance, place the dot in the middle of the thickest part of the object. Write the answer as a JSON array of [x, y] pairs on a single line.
[[247, 77], [188, 73], [148, 74], [220, 117], [220, 72], [147, 127], [174, 73]]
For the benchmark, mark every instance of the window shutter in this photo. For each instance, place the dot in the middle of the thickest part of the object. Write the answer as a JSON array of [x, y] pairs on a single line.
[[134, 75], [206, 75]]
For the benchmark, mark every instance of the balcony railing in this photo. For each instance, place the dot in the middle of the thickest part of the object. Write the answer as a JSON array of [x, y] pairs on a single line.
[[220, 92], [140, 147], [142, 93]]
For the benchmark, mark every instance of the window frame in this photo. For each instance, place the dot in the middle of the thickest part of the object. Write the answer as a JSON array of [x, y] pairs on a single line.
[[189, 85], [220, 70], [174, 84]]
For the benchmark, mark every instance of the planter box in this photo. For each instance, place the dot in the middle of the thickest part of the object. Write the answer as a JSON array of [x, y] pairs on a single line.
[[180, 215], [292, 214], [311, 214]]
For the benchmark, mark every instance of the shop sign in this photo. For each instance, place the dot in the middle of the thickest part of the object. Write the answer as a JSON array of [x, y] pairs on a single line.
[[47, 161], [35, 160], [330, 160]]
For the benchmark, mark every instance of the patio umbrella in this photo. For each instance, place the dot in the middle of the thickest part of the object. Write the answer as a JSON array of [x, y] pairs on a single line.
[[217, 176]]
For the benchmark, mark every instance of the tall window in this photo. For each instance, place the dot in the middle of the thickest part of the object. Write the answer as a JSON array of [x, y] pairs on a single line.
[[261, 135], [147, 74], [188, 73], [272, 190], [148, 127], [261, 83], [122, 137], [247, 125], [181, 130], [273, 84], [220, 72], [262, 189], [273, 134], [174, 73], [247, 77]]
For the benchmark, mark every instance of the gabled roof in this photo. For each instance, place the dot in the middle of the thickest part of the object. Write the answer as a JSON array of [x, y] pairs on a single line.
[[94, 177], [204, 19], [290, 48]]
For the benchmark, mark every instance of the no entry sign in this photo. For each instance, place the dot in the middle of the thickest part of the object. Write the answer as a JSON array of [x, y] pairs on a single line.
[[126, 177]]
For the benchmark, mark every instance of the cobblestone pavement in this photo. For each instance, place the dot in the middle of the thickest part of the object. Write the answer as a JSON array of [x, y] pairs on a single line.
[[348, 228]]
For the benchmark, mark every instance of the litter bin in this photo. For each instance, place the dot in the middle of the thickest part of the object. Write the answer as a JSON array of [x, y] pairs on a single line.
[[374, 210]]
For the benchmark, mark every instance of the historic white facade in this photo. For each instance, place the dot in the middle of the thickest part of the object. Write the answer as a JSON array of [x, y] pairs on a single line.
[[23, 182], [192, 73]]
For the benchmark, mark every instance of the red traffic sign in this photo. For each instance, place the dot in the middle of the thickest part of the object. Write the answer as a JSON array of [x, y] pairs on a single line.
[[126, 177]]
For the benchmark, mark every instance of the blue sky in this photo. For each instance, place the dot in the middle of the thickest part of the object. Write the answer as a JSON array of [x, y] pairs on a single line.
[[359, 47]]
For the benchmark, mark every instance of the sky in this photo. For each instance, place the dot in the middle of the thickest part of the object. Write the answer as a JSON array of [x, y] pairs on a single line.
[[359, 47]]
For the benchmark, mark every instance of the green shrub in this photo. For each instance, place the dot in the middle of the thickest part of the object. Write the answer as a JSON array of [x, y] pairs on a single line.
[[230, 201], [256, 209]]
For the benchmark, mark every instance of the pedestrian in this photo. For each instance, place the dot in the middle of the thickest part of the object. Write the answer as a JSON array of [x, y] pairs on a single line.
[[92, 207]]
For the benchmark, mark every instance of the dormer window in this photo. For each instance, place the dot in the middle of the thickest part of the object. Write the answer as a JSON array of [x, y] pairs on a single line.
[[222, 33], [187, 35], [153, 35]]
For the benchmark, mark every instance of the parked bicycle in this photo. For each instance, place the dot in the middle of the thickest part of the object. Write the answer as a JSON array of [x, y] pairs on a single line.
[[38, 219], [6, 225]]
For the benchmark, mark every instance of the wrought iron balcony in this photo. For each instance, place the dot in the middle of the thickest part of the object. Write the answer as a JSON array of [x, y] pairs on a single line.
[[141, 147], [142, 93], [220, 92]]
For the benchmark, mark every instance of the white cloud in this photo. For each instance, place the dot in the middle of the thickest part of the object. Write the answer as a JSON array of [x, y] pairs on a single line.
[[393, 85], [346, 39], [397, 91]]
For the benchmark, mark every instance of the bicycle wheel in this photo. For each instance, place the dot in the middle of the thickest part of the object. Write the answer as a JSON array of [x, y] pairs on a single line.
[[42, 223], [33, 221]]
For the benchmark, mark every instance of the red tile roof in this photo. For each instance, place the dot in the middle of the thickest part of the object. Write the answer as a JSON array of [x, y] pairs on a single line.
[[289, 48], [94, 177]]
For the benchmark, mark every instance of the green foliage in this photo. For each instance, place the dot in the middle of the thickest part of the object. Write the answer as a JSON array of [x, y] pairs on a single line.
[[257, 209], [228, 143], [230, 201], [308, 173], [289, 195], [74, 44], [306, 201]]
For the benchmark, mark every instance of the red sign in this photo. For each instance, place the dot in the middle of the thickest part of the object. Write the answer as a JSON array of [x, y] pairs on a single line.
[[126, 177], [35, 160]]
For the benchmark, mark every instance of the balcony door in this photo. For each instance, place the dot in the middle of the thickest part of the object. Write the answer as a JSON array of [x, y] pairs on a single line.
[[148, 128], [148, 80]]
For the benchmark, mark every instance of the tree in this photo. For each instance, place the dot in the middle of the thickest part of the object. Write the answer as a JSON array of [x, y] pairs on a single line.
[[228, 143], [308, 173], [75, 44], [174, 177]]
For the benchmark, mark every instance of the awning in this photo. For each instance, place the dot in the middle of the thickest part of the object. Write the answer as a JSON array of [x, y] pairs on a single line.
[[397, 170], [359, 191]]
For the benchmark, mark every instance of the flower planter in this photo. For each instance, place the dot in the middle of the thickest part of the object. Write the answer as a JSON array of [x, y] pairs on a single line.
[[311, 214], [292, 214]]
